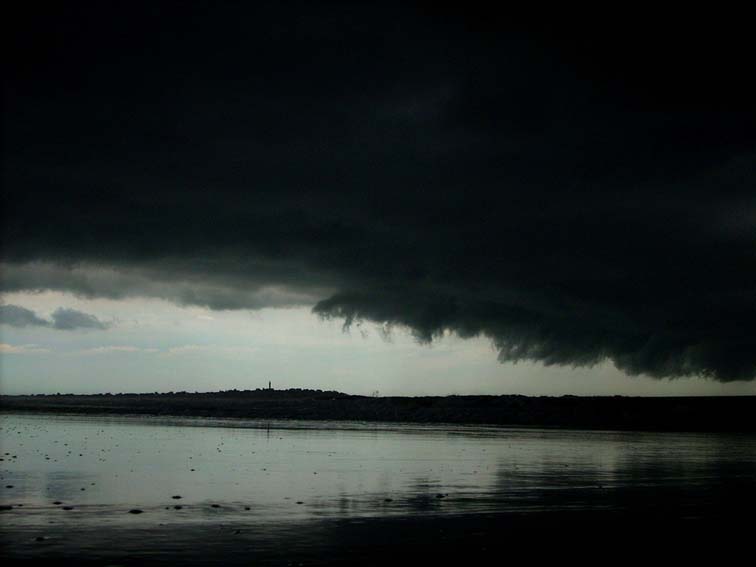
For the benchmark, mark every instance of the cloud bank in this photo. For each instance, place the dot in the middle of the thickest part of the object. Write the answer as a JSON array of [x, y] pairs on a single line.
[[569, 191], [62, 319]]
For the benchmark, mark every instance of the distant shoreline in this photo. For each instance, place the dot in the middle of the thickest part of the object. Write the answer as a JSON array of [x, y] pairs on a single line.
[[701, 414]]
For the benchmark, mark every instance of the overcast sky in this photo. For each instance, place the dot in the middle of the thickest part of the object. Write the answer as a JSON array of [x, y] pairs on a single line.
[[201, 197]]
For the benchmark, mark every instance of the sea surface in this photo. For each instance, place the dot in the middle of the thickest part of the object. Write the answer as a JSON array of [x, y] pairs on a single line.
[[71, 484]]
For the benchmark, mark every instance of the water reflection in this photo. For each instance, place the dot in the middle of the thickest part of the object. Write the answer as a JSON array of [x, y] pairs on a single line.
[[269, 471]]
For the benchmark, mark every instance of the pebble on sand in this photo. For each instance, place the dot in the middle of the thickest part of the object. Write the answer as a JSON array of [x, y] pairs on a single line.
[[135, 511]]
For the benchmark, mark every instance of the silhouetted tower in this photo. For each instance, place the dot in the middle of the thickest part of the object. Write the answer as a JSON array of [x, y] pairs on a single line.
[[270, 385]]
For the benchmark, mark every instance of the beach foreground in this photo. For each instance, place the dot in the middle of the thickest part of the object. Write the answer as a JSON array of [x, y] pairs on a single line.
[[140, 490], [591, 537]]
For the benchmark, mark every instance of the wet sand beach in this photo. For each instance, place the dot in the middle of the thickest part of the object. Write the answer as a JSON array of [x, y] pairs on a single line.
[[589, 537], [140, 490]]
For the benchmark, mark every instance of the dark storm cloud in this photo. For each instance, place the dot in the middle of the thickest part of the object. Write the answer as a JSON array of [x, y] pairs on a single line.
[[575, 192], [63, 319], [212, 284]]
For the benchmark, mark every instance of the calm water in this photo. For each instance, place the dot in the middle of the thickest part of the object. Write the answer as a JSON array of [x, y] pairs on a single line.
[[247, 472]]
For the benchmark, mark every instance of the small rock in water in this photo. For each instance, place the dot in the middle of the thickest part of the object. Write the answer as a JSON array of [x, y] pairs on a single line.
[[135, 511], [177, 497], [177, 507], [246, 507], [215, 505], [4, 507], [8, 486], [67, 508], [57, 502], [39, 538]]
